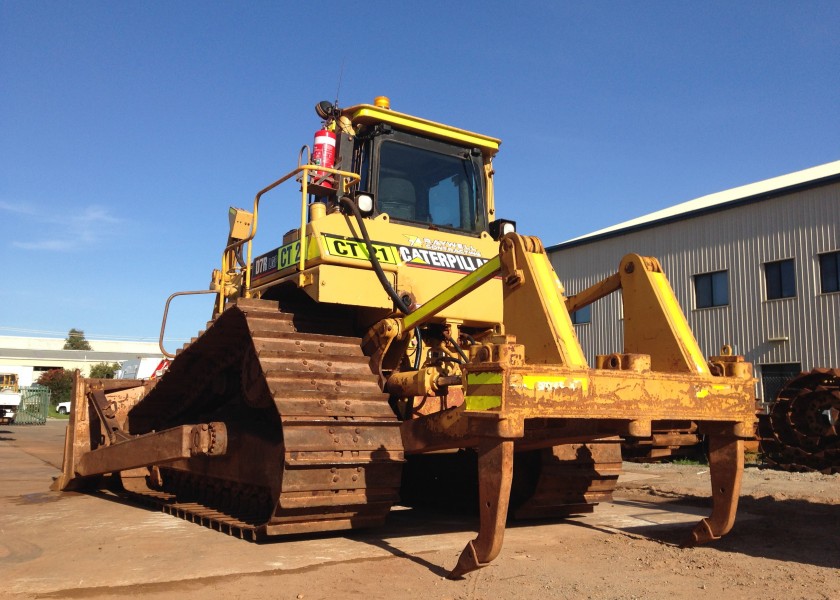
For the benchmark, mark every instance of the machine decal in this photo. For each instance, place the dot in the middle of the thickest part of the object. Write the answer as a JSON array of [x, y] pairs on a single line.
[[551, 384], [353, 248], [442, 246], [412, 256], [281, 258]]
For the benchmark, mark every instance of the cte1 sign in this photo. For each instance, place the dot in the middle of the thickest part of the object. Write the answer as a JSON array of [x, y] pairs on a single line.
[[352, 248]]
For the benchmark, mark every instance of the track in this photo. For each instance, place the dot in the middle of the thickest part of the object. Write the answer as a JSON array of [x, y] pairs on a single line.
[[570, 479], [802, 430], [314, 444]]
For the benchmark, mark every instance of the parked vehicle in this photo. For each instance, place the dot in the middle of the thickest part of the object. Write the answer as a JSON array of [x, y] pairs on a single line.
[[9, 397]]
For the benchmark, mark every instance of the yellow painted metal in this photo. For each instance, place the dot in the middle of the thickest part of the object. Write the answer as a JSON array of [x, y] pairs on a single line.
[[367, 113], [420, 264], [535, 310], [490, 193], [653, 320], [240, 223], [606, 394], [455, 292], [337, 284], [526, 363], [593, 293], [346, 180]]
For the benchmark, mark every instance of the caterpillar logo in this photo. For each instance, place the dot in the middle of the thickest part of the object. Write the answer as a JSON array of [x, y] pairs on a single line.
[[417, 257], [413, 256]]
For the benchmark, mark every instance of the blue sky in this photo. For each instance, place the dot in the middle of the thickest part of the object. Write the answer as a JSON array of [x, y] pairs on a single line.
[[128, 128]]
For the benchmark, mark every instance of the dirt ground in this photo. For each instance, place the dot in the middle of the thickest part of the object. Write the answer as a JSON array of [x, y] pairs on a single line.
[[785, 544]]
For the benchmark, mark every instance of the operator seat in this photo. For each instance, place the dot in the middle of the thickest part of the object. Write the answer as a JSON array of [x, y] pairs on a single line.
[[397, 198]]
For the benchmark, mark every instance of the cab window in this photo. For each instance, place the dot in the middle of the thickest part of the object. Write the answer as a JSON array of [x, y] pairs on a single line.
[[431, 183]]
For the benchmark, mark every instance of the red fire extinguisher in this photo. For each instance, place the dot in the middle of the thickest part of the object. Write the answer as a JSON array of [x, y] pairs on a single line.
[[323, 153]]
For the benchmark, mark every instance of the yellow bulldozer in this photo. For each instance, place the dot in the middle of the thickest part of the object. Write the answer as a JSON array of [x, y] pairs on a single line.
[[400, 332]]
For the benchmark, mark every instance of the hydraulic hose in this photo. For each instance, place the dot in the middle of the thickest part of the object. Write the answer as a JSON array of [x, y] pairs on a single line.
[[460, 352], [374, 261], [418, 353], [380, 274]]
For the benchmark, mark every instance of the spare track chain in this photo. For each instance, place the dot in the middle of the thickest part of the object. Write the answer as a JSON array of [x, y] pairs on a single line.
[[802, 430]]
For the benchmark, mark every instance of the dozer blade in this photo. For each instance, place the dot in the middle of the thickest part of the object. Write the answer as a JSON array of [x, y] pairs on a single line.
[[85, 431]]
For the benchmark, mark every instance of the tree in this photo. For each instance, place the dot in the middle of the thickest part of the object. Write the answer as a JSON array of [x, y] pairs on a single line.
[[104, 370], [76, 340], [60, 382]]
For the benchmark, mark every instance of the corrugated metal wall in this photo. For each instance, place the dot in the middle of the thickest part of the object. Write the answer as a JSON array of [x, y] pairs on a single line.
[[800, 225]]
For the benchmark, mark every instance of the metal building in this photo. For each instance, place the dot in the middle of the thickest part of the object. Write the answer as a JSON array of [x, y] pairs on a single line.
[[756, 267]]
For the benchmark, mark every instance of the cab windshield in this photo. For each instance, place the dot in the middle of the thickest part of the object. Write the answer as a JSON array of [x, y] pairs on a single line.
[[430, 182]]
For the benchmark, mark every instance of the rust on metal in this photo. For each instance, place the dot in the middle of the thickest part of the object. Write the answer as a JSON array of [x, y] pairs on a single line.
[[495, 466], [801, 431], [158, 448], [726, 466]]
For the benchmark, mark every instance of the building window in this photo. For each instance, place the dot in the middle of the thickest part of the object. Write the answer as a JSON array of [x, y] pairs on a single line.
[[711, 289], [830, 272], [780, 278], [582, 315]]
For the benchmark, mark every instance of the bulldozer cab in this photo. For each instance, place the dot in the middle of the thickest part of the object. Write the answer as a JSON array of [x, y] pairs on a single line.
[[424, 182]]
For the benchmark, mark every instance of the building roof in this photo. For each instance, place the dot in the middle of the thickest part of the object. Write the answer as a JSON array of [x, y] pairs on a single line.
[[745, 194], [46, 343], [74, 355]]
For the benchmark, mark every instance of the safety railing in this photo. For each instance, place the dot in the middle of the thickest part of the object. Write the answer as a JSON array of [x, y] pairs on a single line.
[[166, 315], [344, 179], [308, 175]]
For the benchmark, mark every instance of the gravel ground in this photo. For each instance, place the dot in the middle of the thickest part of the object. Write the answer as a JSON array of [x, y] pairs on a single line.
[[785, 544]]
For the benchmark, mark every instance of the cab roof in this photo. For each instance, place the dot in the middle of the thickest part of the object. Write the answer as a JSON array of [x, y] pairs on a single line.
[[368, 114]]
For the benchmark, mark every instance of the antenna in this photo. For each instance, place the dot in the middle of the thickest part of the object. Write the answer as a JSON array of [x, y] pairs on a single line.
[[340, 77]]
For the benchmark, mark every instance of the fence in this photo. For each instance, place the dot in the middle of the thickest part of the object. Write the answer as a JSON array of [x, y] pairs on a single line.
[[34, 405]]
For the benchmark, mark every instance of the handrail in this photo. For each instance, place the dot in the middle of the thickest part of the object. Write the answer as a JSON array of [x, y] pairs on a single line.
[[166, 313], [346, 179]]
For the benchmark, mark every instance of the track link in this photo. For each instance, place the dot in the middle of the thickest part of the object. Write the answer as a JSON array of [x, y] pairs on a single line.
[[321, 448], [802, 430]]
